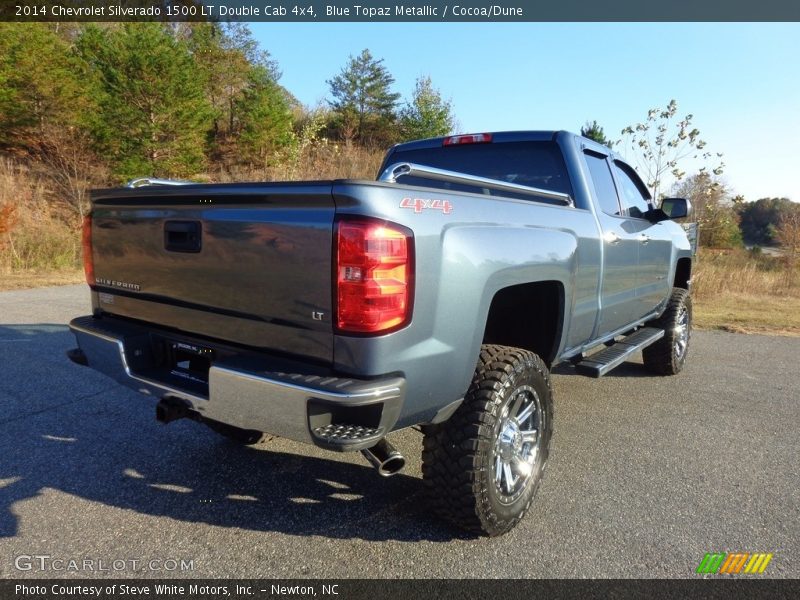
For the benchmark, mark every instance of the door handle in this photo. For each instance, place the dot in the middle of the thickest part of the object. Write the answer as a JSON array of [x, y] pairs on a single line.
[[644, 238], [611, 237]]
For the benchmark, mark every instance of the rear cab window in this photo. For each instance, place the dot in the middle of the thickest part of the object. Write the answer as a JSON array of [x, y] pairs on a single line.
[[533, 164], [604, 190]]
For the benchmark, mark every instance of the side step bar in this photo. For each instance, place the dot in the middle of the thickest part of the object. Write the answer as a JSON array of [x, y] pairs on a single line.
[[602, 362]]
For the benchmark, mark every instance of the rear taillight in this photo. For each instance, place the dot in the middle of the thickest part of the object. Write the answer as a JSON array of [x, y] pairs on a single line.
[[86, 244], [374, 274], [471, 138]]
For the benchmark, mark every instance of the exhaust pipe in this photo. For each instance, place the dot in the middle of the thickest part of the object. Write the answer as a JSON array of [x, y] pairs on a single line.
[[170, 409], [385, 457]]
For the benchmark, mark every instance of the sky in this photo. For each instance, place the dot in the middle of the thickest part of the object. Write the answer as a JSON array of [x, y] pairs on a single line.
[[740, 81]]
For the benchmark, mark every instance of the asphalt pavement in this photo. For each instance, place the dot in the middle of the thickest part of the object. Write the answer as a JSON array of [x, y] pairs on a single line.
[[646, 475]]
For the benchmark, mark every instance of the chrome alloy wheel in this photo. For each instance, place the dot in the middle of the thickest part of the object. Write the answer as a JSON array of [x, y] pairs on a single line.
[[518, 443], [681, 332]]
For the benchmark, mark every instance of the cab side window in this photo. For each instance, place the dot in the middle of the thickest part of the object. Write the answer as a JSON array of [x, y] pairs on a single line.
[[632, 193], [604, 189]]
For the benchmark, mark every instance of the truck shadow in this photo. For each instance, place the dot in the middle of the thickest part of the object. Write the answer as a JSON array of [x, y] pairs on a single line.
[[68, 429]]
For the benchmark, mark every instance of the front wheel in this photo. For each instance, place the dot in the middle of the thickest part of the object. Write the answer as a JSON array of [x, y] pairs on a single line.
[[668, 355], [482, 467]]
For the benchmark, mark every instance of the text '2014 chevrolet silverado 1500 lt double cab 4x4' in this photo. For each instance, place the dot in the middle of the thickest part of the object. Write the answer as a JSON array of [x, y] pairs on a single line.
[[336, 312]]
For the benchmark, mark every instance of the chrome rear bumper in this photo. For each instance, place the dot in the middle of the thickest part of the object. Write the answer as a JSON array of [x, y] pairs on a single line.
[[247, 390]]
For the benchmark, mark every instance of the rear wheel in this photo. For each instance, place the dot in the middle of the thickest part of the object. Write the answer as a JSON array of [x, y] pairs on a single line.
[[668, 355], [483, 466]]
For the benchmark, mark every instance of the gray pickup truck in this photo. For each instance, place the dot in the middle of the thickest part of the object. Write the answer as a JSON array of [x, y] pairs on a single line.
[[439, 296]]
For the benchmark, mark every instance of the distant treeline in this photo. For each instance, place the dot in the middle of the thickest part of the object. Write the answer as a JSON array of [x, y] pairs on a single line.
[[88, 105], [177, 99]]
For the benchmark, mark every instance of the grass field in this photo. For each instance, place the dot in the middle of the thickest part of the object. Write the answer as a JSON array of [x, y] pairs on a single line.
[[735, 290], [21, 280], [744, 313]]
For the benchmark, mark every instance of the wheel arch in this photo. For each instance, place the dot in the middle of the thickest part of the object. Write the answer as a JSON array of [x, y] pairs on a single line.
[[683, 273], [529, 316]]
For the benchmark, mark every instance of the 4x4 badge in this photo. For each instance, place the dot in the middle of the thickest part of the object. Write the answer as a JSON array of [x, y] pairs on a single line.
[[420, 204]]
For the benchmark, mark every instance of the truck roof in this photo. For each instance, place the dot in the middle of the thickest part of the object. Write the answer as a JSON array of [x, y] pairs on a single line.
[[507, 136], [497, 136]]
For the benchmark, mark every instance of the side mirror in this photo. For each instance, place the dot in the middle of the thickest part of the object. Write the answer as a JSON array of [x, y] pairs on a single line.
[[671, 208], [676, 208]]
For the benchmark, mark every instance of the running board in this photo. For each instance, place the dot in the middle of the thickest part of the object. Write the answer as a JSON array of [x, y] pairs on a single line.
[[602, 362]]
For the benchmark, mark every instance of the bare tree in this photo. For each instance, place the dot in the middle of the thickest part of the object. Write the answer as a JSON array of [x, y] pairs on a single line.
[[788, 234], [661, 142], [67, 152], [713, 208]]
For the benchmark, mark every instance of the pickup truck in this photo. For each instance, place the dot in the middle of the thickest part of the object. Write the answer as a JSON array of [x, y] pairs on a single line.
[[437, 297]]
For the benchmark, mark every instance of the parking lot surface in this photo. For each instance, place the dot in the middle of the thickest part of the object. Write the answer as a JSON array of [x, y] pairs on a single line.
[[646, 475]]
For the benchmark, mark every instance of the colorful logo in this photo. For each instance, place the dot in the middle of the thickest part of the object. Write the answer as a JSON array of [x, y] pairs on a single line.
[[734, 563]]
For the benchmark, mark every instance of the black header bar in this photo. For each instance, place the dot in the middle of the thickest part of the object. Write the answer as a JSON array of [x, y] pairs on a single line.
[[309, 11]]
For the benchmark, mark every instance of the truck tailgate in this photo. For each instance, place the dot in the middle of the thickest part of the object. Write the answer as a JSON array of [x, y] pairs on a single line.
[[244, 263]]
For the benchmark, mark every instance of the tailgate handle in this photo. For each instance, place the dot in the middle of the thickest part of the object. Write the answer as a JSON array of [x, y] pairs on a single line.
[[182, 236]]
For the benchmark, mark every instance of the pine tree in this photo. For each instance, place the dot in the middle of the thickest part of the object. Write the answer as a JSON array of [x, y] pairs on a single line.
[[593, 131], [427, 115], [225, 54], [42, 83], [155, 116], [265, 118], [362, 98]]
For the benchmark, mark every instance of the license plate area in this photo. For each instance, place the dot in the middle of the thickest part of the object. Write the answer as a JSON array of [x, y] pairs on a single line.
[[189, 361], [180, 364]]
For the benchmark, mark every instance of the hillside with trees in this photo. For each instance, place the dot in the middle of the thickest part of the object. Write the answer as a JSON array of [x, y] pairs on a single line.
[[94, 105]]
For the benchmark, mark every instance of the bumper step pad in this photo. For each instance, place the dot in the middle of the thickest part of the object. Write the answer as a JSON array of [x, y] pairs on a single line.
[[339, 433]]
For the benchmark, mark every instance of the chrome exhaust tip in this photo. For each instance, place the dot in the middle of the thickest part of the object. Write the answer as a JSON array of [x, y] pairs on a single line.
[[385, 457]]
